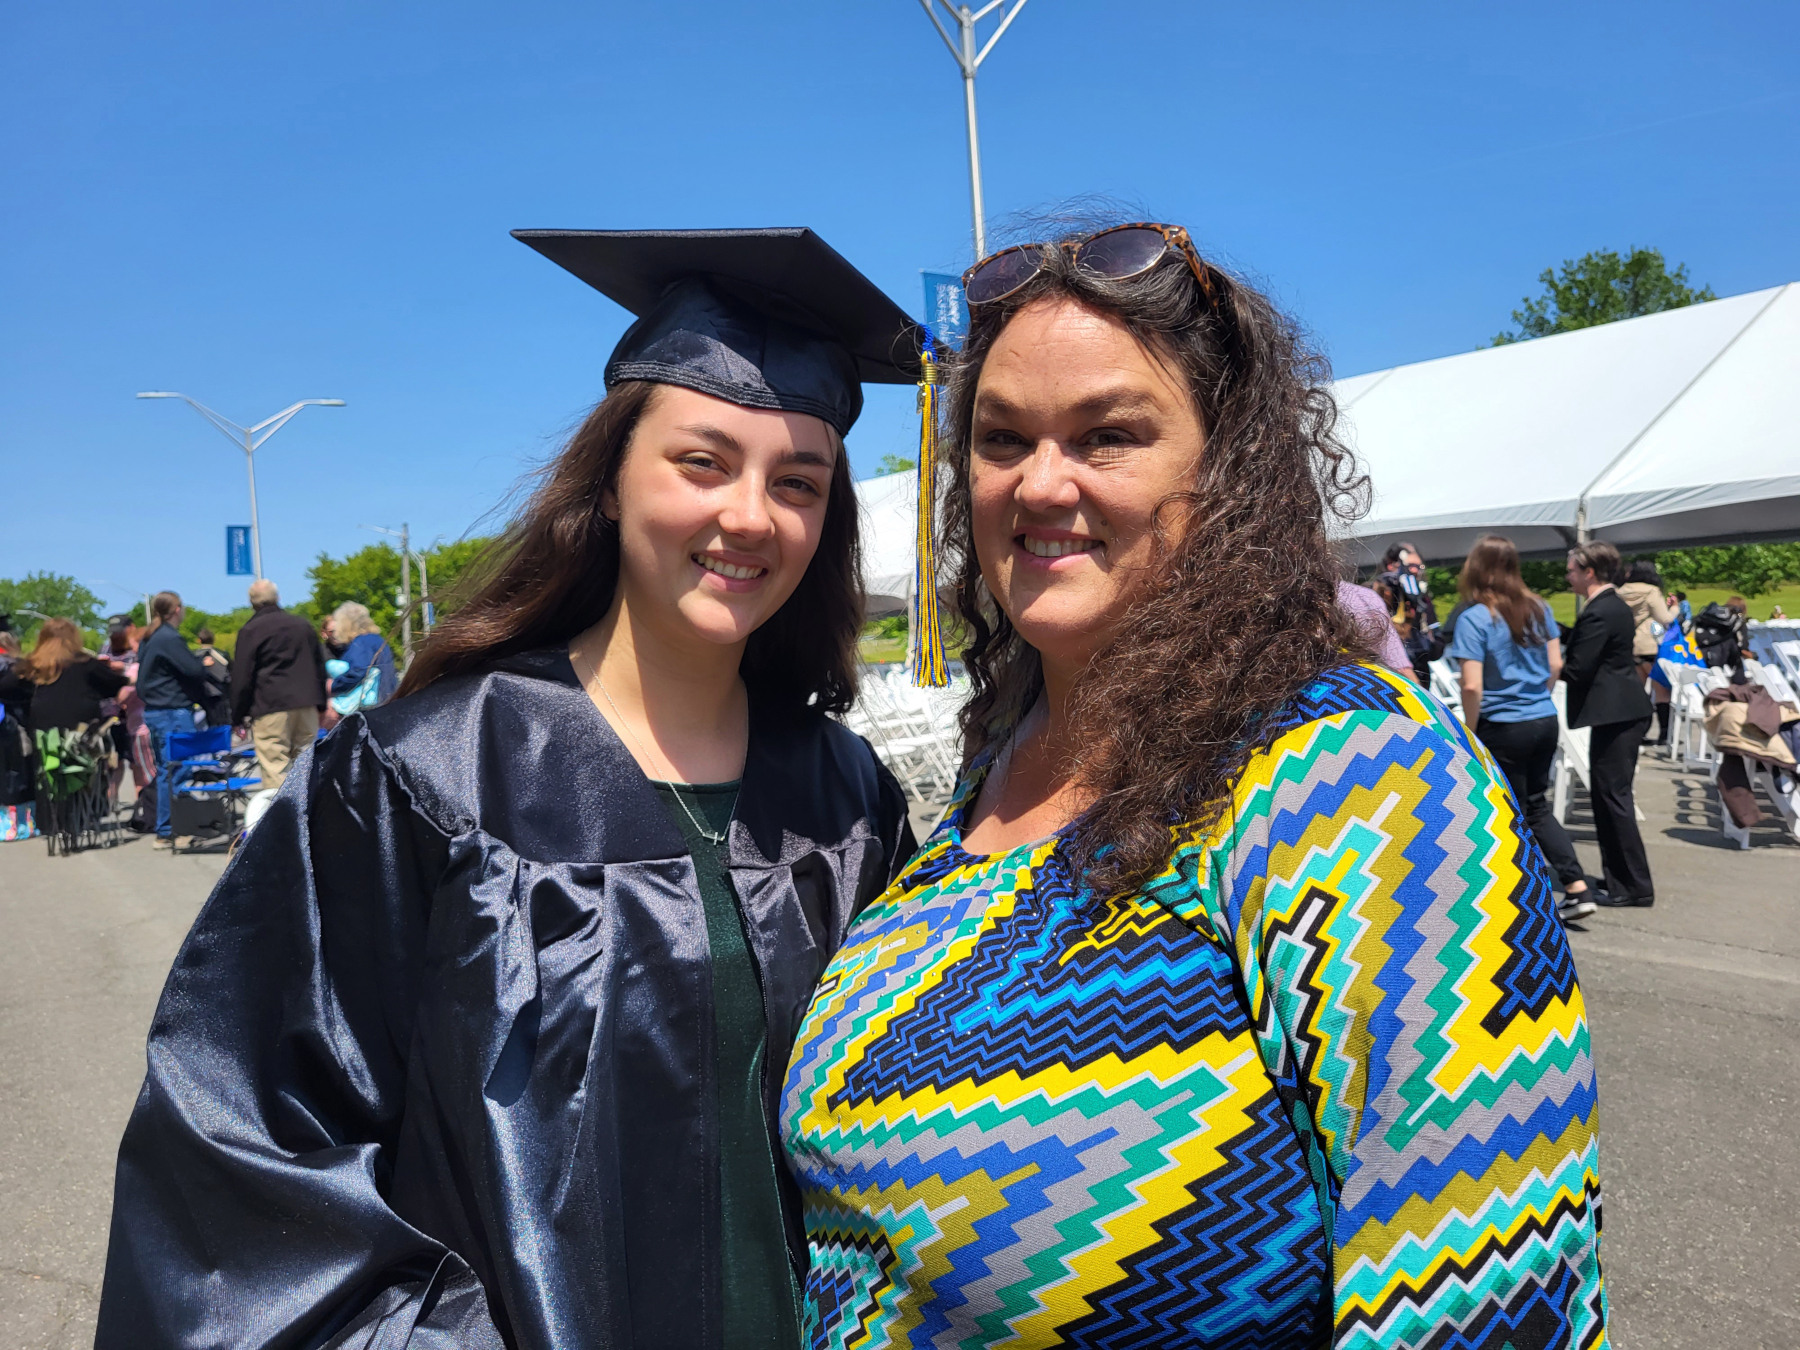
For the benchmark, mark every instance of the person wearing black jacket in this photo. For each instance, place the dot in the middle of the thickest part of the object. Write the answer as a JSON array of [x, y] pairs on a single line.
[[277, 683], [1606, 694], [170, 681]]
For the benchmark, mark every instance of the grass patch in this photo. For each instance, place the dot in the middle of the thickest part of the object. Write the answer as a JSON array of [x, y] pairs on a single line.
[[1787, 596]]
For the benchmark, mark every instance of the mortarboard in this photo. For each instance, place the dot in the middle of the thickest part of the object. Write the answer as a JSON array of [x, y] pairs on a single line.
[[769, 318], [772, 318]]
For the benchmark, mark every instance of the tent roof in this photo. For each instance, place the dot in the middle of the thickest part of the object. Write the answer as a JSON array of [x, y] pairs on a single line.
[[1677, 426], [889, 516]]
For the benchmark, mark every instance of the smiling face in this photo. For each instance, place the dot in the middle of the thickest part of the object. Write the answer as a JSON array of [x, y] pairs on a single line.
[[720, 510], [1078, 434]]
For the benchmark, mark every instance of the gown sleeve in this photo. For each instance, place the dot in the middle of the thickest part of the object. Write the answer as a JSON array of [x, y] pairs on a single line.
[[1416, 1003], [249, 1203]]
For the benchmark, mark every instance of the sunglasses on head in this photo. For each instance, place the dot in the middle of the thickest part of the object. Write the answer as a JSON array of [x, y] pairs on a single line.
[[1118, 253]]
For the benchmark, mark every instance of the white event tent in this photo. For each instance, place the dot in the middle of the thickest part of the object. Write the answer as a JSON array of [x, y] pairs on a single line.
[[1679, 427], [1675, 428], [889, 521]]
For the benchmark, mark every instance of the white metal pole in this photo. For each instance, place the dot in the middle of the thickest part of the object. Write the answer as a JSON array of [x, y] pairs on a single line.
[[966, 21], [968, 60], [255, 530], [405, 594], [424, 593]]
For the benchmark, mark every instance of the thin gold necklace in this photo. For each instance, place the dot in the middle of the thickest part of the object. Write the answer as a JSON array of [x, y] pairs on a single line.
[[706, 834]]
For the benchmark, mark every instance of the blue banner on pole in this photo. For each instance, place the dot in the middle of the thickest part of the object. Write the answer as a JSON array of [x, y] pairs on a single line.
[[946, 312], [237, 551]]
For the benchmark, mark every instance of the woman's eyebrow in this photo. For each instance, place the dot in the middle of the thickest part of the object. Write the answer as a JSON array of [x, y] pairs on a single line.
[[1125, 401], [815, 457], [714, 435]]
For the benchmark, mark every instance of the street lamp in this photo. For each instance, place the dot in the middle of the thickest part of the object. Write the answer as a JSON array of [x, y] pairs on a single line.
[[404, 535], [968, 60], [250, 439]]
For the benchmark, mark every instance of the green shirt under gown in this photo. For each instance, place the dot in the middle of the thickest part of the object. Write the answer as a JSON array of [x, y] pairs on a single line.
[[761, 1300]]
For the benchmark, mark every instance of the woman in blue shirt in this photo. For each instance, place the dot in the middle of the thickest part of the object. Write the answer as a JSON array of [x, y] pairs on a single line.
[[367, 650], [1507, 647]]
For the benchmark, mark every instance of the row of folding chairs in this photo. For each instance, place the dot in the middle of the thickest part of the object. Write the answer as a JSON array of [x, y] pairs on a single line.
[[913, 731]]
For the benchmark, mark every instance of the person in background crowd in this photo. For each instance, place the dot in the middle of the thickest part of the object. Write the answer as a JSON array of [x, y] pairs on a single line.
[[1374, 617], [18, 776], [334, 650], [1606, 694], [132, 736], [1740, 623], [1642, 589], [1685, 611], [63, 685], [364, 650], [1509, 654], [1387, 591], [1777, 615], [215, 708], [1404, 571], [277, 683], [171, 681]]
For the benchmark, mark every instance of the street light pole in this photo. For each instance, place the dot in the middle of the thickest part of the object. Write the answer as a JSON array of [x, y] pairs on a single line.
[[250, 440], [407, 558], [968, 60]]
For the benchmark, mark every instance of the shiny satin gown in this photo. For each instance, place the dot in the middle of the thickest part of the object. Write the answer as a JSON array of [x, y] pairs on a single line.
[[434, 1066]]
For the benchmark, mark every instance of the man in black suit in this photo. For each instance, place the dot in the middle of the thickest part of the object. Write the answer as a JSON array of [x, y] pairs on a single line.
[[1607, 695]]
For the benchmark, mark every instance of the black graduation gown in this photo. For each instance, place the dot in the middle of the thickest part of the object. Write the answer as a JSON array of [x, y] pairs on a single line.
[[433, 1067]]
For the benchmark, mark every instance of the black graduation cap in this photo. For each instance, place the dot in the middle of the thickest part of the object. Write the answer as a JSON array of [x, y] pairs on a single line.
[[772, 318]]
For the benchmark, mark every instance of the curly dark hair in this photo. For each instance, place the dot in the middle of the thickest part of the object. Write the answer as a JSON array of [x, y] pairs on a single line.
[[1239, 611]]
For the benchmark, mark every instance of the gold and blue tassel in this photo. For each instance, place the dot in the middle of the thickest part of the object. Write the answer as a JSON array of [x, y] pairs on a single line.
[[924, 635]]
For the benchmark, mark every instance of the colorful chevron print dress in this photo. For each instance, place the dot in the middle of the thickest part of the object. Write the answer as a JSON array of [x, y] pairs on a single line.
[[1324, 1082]]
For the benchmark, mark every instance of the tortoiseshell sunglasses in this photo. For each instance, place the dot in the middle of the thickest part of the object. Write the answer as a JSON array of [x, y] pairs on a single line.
[[1117, 253]]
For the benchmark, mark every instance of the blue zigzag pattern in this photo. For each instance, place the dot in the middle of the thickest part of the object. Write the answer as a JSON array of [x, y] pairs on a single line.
[[1024, 1000], [1242, 1268]]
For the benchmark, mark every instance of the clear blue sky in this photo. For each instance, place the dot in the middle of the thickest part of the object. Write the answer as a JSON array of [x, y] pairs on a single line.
[[260, 203]]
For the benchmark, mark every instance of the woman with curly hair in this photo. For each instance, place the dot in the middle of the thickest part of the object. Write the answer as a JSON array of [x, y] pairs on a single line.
[[1228, 1003]]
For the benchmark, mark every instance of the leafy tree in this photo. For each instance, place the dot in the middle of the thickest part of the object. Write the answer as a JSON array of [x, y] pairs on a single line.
[[48, 593], [1546, 576], [371, 576], [1601, 287], [1748, 569], [894, 464]]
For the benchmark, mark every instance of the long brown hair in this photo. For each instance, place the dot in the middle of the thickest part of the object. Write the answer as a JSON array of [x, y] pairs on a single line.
[[1239, 611], [1490, 576], [552, 573], [58, 647]]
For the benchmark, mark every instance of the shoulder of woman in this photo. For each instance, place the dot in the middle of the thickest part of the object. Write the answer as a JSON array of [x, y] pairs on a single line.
[[1348, 709], [1368, 746]]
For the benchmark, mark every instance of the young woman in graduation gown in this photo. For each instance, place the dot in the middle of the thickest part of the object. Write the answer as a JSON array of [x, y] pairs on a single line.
[[478, 1041]]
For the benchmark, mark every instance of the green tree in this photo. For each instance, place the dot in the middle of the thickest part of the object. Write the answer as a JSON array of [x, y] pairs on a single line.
[[371, 576], [1546, 576], [894, 464], [1748, 569], [47, 593], [1601, 287]]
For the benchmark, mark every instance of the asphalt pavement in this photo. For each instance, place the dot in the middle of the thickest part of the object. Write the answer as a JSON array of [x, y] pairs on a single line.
[[1695, 1008]]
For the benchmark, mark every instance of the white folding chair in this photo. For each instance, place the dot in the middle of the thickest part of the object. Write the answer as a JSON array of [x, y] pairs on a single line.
[[1787, 654], [1571, 761], [1446, 684]]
